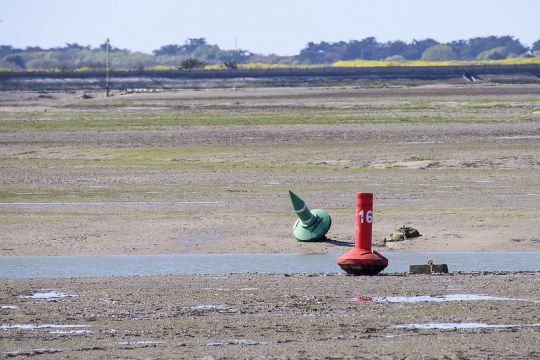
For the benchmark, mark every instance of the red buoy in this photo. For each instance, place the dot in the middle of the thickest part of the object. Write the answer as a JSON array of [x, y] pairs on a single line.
[[362, 260]]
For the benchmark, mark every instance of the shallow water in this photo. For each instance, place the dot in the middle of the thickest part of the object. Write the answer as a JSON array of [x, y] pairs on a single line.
[[8, 307], [110, 205], [233, 342], [87, 266], [47, 295], [71, 332], [444, 298], [451, 326], [141, 342], [40, 326], [518, 137]]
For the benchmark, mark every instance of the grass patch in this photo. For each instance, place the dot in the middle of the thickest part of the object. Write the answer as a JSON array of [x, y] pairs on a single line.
[[285, 157], [167, 153], [31, 152], [420, 111], [417, 158], [108, 193], [153, 123]]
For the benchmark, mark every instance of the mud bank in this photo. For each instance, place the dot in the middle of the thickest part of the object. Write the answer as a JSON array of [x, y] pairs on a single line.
[[456, 316]]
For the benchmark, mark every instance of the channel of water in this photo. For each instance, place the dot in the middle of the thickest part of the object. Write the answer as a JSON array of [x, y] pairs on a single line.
[[115, 265]]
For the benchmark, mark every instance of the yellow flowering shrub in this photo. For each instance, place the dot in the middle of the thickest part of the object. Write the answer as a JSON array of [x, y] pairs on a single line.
[[375, 63]]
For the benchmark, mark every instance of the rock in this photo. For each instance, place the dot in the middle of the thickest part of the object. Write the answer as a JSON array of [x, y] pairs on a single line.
[[403, 233]]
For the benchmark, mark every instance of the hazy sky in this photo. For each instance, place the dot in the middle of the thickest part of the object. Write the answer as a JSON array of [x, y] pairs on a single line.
[[283, 27]]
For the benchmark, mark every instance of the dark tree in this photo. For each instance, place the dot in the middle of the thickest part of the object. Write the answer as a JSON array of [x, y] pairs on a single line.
[[370, 49], [74, 46], [33, 49], [480, 44], [326, 53], [8, 50], [416, 48], [350, 50], [395, 48], [192, 63], [16, 60], [111, 48], [536, 45], [230, 64], [192, 44], [315, 53], [167, 50], [461, 48]]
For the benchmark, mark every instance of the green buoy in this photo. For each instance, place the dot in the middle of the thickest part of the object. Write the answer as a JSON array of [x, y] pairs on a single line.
[[312, 225]]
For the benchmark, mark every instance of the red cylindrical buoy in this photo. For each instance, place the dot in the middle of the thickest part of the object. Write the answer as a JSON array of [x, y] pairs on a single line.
[[362, 260]]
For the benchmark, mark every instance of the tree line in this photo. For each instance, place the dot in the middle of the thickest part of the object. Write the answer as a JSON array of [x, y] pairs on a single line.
[[197, 53], [479, 48]]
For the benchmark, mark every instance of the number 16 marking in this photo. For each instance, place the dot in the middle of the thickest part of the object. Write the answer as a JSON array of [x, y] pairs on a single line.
[[368, 218]]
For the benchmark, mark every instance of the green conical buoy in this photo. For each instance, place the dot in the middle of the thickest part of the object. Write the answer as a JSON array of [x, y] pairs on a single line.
[[312, 225]]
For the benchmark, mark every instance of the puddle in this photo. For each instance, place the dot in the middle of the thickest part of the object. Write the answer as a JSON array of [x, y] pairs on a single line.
[[451, 326], [71, 332], [221, 308], [231, 289], [40, 326], [109, 205], [47, 295], [233, 342], [518, 137], [9, 307], [141, 342], [416, 142], [209, 307], [442, 298], [32, 352], [489, 181], [271, 183]]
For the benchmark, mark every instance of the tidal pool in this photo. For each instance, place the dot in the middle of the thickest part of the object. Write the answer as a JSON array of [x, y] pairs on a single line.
[[466, 325], [116, 265]]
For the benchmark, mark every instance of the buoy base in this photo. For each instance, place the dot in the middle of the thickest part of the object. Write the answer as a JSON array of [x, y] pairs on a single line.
[[362, 262], [315, 232]]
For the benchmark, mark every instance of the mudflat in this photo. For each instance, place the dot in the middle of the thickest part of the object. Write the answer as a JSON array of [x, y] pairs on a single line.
[[285, 316], [207, 171]]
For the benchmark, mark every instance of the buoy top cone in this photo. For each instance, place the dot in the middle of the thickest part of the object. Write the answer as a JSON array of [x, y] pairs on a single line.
[[312, 225]]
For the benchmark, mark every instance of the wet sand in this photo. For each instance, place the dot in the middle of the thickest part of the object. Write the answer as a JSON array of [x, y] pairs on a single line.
[[208, 171], [273, 316]]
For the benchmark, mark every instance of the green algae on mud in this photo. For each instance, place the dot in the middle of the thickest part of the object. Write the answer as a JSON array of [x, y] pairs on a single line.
[[132, 114]]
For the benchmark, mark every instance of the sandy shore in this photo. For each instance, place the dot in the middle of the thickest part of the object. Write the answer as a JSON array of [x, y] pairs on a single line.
[[273, 316]]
